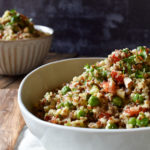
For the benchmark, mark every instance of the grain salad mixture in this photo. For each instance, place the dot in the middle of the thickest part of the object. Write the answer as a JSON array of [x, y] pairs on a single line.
[[15, 26], [111, 94]]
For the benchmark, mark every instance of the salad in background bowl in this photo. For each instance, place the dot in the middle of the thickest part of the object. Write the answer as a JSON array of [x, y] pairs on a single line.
[[16, 26], [23, 45]]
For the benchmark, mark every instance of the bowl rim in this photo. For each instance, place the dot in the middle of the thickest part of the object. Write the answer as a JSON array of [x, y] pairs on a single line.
[[78, 129], [51, 32]]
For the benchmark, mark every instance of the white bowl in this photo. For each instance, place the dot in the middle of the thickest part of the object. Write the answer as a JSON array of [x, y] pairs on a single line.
[[21, 56], [58, 137]]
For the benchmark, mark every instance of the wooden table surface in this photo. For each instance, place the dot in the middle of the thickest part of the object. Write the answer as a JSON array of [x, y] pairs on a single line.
[[11, 121]]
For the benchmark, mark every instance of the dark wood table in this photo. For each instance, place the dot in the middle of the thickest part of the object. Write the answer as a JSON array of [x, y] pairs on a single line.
[[11, 121]]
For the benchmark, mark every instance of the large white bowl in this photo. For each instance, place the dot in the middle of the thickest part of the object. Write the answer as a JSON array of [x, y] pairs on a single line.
[[21, 56], [57, 137]]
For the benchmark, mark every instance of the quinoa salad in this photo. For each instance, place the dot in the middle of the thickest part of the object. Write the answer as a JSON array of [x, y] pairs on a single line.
[[16, 26], [110, 94]]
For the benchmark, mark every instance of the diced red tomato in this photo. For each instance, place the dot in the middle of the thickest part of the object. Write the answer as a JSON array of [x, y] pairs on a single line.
[[23, 17], [143, 109], [115, 57], [147, 50], [108, 88], [140, 57], [132, 112], [43, 102], [107, 115], [118, 77], [47, 118], [53, 120]]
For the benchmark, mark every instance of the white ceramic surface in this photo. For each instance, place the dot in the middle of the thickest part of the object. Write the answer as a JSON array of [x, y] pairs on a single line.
[[21, 56], [57, 137], [27, 141]]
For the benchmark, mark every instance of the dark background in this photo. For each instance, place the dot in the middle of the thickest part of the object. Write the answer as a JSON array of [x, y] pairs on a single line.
[[89, 27]]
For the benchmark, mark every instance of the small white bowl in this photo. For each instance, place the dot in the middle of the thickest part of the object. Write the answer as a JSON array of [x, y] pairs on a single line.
[[58, 137], [21, 56]]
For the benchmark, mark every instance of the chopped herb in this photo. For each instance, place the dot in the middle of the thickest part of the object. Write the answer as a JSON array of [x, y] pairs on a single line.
[[125, 50], [129, 68], [9, 24], [94, 89], [142, 52], [15, 19], [139, 74], [91, 69], [87, 67], [68, 104], [13, 11], [60, 105], [102, 72], [140, 48], [130, 59]]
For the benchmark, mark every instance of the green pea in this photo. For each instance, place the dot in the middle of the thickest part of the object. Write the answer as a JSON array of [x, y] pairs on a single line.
[[80, 113], [67, 124], [138, 98], [65, 89], [112, 126], [132, 121], [117, 101], [142, 122], [93, 101]]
